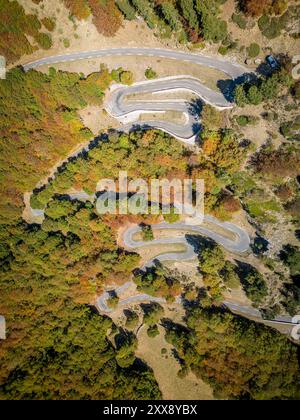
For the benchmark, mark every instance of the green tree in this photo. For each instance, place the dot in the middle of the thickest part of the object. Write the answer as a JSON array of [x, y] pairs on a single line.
[[254, 96], [230, 276], [255, 286], [153, 314], [189, 13], [126, 8], [291, 257], [132, 320], [212, 259], [147, 233], [240, 96], [213, 28], [153, 331], [238, 358], [211, 117], [171, 15], [150, 73]]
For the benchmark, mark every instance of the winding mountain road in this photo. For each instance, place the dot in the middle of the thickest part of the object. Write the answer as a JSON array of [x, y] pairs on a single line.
[[240, 244], [128, 112]]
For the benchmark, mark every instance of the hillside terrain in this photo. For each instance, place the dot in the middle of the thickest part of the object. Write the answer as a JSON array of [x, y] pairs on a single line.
[[92, 315]]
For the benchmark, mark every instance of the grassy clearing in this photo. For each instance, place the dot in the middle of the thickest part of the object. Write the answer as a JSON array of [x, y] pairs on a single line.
[[158, 355]]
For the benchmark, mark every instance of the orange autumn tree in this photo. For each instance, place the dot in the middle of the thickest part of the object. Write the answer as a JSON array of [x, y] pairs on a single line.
[[106, 16], [79, 9], [257, 8]]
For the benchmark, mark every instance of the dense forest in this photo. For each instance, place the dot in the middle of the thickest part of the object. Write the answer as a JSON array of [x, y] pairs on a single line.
[[40, 126], [219, 348], [188, 19], [48, 272], [170, 159], [15, 28]]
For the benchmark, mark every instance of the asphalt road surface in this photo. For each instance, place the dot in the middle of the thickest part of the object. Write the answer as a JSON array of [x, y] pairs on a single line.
[[233, 70]]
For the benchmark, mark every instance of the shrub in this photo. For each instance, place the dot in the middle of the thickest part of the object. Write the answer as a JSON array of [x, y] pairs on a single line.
[[183, 372], [255, 97], [253, 50], [279, 6], [263, 22], [132, 320], [239, 20], [211, 117], [66, 43], [223, 50], [273, 30], [172, 217], [147, 233], [153, 331], [126, 78], [150, 73], [49, 24], [44, 40], [78, 9], [244, 120], [113, 301]]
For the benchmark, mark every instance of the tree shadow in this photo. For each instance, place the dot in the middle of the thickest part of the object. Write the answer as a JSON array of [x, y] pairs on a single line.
[[170, 325], [123, 337], [148, 308], [199, 242], [264, 70], [227, 86], [195, 107], [128, 313], [260, 245], [140, 366], [243, 270], [176, 356]]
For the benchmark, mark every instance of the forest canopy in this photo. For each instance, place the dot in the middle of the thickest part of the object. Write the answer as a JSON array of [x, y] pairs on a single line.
[[15, 28], [239, 358]]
